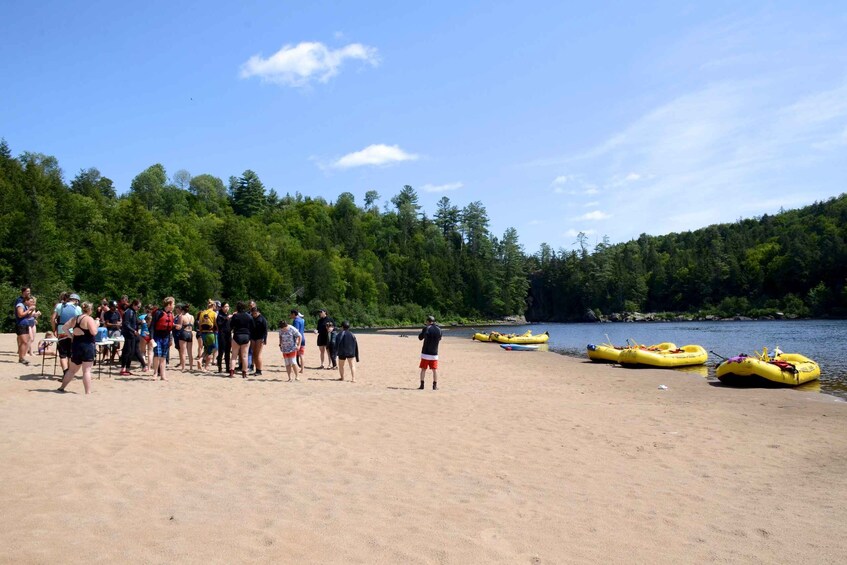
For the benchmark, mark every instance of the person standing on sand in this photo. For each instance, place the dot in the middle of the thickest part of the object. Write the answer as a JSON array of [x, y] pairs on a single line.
[[22, 314], [331, 346], [83, 351], [186, 339], [258, 339], [130, 332], [298, 322], [348, 349], [207, 323], [162, 325], [31, 323], [67, 308], [224, 336], [323, 335], [111, 318], [241, 326], [430, 335], [289, 345]]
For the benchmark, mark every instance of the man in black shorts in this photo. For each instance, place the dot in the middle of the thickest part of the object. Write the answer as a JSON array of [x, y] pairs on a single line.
[[323, 334]]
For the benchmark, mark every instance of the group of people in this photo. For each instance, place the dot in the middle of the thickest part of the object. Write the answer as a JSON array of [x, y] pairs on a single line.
[[221, 338]]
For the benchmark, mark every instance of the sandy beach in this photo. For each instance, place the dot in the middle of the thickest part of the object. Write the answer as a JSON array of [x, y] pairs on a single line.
[[520, 457]]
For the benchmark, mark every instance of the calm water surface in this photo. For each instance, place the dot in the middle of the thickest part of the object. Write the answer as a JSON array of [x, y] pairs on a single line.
[[825, 341]]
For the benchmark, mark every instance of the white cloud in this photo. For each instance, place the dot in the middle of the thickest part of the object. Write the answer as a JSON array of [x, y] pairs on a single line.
[[535, 222], [595, 215], [442, 187], [713, 150], [562, 179], [591, 190], [592, 204], [377, 154], [297, 65]]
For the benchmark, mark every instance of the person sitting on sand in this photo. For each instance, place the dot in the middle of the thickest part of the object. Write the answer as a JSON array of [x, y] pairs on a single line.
[[289, 345], [348, 349], [430, 335], [45, 348]]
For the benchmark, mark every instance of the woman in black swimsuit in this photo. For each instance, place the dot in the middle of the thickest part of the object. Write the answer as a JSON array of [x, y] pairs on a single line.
[[186, 338], [83, 350], [241, 325]]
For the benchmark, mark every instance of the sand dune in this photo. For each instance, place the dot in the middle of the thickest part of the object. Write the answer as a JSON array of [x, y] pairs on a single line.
[[519, 458]]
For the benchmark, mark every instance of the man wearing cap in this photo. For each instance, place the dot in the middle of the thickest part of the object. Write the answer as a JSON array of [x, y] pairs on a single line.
[[430, 335], [323, 334], [65, 310]]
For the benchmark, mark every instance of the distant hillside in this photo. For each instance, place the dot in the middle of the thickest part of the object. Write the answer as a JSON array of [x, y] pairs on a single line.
[[794, 262]]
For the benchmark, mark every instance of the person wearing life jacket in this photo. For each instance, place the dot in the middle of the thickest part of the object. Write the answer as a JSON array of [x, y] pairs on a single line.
[[162, 324], [66, 309]]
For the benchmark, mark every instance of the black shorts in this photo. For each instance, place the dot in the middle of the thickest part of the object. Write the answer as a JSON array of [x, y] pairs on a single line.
[[83, 352], [186, 336], [323, 339], [241, 339], [64, 348], [21, 330]]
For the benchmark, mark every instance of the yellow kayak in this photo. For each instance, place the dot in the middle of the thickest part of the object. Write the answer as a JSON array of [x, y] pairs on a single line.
[[682, 357], [789, 369], [608, 353], [526, 339]]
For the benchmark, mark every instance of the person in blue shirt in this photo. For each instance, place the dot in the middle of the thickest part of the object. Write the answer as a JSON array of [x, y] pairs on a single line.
[[67, 308], [23, 319], [299, 323]]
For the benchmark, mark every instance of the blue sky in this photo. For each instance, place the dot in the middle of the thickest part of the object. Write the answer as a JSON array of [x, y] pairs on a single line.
[[611, 118]]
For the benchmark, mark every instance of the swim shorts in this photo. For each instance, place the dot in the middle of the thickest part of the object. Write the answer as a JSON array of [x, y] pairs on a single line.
[[210, 343], [162, 347], [83, 352], [429, 364], [64, 348]]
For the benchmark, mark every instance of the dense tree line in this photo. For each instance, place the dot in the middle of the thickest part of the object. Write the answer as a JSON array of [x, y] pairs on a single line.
[[793, 262], [196, 237]]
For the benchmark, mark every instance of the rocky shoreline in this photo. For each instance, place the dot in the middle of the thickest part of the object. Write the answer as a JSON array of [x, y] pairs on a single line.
[[590, 316]]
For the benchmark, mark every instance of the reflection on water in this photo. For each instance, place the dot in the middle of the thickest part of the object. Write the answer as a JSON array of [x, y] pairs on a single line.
[[821, 340]]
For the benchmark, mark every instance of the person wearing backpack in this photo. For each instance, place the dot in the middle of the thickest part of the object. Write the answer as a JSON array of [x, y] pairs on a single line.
[[207, 324], [162, 325], [67, 309]]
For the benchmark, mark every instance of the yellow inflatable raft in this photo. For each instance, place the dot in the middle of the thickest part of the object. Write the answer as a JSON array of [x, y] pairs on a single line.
[[484, 337], [608, 353], [788, 369], [682, 357], [525, 339]]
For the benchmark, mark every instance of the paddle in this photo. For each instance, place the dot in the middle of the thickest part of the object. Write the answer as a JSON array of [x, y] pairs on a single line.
[[718, 356]]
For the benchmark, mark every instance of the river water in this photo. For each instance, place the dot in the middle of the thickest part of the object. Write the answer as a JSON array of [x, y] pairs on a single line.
[[825, 341]]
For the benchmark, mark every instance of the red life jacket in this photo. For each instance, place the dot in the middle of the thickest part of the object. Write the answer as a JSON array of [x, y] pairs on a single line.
[[164, 321]]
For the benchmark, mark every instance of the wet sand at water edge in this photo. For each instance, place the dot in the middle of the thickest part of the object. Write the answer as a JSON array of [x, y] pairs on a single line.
[[520, 457]]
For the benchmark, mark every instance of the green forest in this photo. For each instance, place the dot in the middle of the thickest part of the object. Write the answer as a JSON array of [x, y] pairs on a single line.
[[384, 261]]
